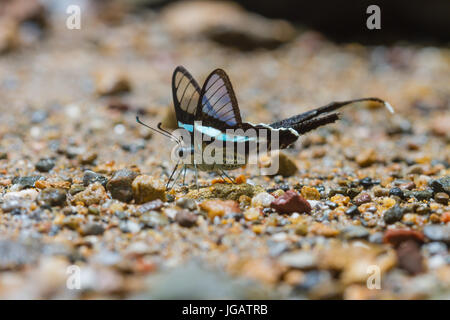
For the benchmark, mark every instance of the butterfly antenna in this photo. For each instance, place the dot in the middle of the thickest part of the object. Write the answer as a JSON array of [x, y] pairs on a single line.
[[167, 132], [163, 132]]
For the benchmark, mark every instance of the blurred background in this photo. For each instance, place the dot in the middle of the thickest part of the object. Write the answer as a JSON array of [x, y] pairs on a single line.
[[283, 57]]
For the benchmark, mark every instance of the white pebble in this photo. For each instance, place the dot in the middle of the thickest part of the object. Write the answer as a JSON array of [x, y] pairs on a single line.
[[262, 199], [314, 203], [35, 132], [119, 129], [73, 111], [170, 213], [280, 236], [27, 194]]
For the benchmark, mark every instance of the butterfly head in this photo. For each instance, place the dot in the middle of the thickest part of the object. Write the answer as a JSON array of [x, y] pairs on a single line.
[[182, 152]]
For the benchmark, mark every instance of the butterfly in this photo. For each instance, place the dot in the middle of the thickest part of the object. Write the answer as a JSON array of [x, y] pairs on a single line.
[[212, 112]]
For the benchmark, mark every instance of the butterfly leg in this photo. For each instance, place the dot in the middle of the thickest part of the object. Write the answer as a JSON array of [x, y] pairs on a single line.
[[196, 175], [176, 179], [226, 175], [171, 175], [221, 176], [184, 175]]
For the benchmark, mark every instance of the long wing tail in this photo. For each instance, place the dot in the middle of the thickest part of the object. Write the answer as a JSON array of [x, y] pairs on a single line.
[[310, 120], [312, 124]]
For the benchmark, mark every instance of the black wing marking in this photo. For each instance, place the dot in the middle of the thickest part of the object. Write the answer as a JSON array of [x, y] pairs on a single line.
[[186, 93], [217, 106], [312, 124]]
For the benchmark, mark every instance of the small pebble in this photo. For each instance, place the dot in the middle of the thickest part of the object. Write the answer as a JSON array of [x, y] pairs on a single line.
[[262, 199], [291, 202], [397, 236], [26, 182], [354, 232], [445, 217], [39, 116], [338, 190], [423, 209], [408, 186], [437, 232], [441, 185], [310, 193], [393, 214], [76, 188], [380, 192], [352, 211], [362, 198], [73, 151], [88, 158], [441, 197], [111, 82], [120, 185], [153, 219], [186, 203], [11, 205], [252, 214], [45, 165], [23, 195], [52, 197], [353, 192], [366, 158], [422, 195], [147, 188], [299, 260], [376, 237], [94, 210], [331, 204], [151, 206], [129, 226], [367, 182], [92, 229], [90, 177], [219, 208], [186, 218], [94, 194], [396, 192], [416, 169], [287, 166]]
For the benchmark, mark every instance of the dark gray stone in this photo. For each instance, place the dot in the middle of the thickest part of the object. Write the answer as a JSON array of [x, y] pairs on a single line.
[[393, 214], [90, 177], [120, 185], [45, 165]]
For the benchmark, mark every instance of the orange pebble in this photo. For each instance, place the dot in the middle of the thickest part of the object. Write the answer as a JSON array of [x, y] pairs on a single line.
[[445, 217], [241, 179], [218, 180]]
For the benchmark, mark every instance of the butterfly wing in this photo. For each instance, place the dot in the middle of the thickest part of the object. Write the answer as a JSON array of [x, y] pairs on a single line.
[[218, 110], [217, 106], [186, 93]]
